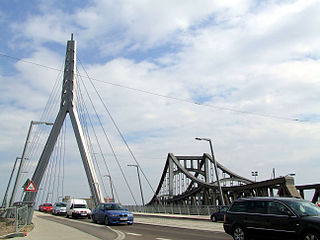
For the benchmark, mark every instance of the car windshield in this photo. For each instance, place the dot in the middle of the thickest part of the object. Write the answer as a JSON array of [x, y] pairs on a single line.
[[114, 207], [47, 205], [80, 206], [60, 204], [304, 208]]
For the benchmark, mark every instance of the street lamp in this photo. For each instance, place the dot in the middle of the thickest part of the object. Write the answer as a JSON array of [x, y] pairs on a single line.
[[254, 174], [14, 191], [111, 188], [134, 165], [215, 166]]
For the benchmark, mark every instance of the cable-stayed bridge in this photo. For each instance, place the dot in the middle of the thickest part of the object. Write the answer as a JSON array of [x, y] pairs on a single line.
[[186, 180]]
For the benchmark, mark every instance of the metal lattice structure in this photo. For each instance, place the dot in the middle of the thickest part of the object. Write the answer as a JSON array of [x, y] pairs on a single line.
[[190, 180]]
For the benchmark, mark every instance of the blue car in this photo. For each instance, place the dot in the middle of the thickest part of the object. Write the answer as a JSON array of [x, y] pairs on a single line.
[[111, 213]]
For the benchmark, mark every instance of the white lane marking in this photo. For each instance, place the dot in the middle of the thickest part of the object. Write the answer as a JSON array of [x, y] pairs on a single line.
[[120, 234], [163, 238], [134, 234]]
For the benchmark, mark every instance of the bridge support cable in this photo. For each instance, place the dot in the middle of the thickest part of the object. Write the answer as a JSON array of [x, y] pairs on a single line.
[[83, 116], [118, 130], [52, 184], [97, 139], [36, 140], [110, 144]]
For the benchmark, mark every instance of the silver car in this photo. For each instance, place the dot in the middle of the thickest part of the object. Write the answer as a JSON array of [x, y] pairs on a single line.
[[59, 208]]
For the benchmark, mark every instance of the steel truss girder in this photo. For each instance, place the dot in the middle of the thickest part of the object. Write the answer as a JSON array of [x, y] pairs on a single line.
[[200, 191]]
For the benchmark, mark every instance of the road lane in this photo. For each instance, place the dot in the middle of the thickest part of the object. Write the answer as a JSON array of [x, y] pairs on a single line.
[[140, 231], [152, 232], [181, 223]]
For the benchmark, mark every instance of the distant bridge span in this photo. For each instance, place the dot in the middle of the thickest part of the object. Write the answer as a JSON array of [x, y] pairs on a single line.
[[190, 180]]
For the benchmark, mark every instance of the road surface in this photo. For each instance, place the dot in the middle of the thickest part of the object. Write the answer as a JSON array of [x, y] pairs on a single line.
[[148, 228]]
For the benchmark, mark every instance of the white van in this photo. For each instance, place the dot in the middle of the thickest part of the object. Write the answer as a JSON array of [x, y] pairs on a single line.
[[77, 208]]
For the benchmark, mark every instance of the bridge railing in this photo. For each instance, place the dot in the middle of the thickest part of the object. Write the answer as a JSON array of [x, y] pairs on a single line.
[[13, 219], [174, 209]]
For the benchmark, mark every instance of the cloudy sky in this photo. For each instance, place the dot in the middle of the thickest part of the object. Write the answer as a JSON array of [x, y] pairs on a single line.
[[243, 73]]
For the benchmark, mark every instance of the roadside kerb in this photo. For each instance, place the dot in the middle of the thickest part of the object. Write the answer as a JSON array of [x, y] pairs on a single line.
[[13, 235]]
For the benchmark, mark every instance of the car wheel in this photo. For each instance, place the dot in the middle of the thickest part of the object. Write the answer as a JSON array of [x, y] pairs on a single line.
[[106, 221], [93, 219], [213, 219], [238, 233], [311, 236]]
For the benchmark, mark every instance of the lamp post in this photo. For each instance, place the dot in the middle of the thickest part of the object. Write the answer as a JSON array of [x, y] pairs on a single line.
[[134, 165], [254, 174], [215, 166], [111, 188], [14, 191]]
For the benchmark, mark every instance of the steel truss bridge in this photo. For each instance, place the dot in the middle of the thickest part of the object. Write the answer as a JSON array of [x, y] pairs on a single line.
[[189, 180]]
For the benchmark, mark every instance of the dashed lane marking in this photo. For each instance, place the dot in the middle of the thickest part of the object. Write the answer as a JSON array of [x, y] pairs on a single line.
[[134, 234]]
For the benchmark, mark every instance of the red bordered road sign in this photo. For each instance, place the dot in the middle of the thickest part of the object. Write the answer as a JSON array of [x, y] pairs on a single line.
[[31, 187]]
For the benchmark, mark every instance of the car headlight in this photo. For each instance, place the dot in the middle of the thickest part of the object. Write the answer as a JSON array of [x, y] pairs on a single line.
[[113, 215], [130, 215]]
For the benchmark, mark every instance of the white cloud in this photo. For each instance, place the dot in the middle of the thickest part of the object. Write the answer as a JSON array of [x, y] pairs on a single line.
[[244, 56]]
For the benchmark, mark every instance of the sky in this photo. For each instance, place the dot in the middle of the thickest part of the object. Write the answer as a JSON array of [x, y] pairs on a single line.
[[244, 73]]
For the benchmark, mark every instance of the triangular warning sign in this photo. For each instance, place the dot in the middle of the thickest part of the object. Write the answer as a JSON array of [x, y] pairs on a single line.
[[31, 187]]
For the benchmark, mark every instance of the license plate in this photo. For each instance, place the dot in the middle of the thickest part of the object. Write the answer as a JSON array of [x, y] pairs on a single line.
[[123, 219], [83, 214]]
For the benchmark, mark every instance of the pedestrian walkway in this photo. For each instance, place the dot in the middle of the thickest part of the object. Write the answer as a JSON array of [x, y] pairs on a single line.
[[49, 230]]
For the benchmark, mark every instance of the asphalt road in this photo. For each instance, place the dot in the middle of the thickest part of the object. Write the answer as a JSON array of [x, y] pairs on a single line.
[[141, 231]]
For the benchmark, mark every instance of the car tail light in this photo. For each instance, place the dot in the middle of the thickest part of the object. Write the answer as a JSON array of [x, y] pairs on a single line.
[[225, 218]]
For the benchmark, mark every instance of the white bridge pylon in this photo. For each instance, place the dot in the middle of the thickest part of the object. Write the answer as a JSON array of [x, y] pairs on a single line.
[[68, 105]]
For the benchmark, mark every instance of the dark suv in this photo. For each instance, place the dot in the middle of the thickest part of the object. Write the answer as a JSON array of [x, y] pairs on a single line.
[[273, 217]]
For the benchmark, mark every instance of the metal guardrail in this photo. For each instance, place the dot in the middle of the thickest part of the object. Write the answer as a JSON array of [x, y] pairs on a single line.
[[13, 219], [174, 209]]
